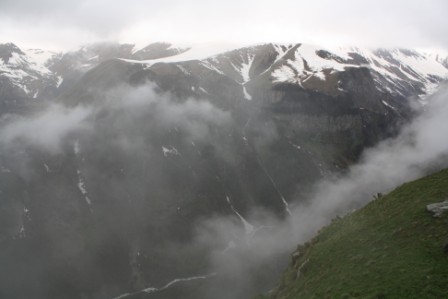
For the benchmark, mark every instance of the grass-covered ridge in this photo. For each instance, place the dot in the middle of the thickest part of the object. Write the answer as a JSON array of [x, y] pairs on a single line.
[[392, 248]]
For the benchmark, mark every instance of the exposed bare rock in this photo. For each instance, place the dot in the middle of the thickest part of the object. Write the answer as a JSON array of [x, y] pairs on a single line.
[[437, 209]]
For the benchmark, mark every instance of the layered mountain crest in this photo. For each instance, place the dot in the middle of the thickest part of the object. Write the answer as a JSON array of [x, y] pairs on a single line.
[[30, 74], [400, 72]]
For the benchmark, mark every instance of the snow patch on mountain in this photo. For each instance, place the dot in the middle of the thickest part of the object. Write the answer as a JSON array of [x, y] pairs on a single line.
[[26, 69], [59, 81], [393, 70], [246, 66], [39, 58], [194, 52], [170, 151]]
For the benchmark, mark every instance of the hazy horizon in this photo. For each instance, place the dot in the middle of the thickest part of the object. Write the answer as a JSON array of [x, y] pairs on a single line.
[[56, 25]]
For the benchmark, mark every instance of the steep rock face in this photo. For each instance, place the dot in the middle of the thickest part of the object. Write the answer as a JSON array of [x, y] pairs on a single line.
[[168, 141]]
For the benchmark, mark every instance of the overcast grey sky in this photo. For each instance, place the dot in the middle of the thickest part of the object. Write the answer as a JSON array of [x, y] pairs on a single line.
[[60, 24]]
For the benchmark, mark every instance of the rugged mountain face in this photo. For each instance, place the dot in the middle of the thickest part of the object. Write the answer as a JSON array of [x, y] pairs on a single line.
[[35, 75], [24, 76], [123, 185]]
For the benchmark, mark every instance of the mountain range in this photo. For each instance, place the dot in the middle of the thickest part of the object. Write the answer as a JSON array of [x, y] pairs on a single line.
[[119, 164]]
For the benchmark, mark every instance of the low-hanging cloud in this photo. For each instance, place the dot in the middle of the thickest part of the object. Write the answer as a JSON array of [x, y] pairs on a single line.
[[193, 116], [420, 148], [45, 130]]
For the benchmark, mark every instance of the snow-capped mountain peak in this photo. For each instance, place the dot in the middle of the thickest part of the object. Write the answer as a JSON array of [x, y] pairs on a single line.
[[398, 71], [28, 70], [35, 73]]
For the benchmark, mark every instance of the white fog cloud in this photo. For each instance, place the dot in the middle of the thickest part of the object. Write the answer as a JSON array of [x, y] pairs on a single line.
[[421, 146], [45, 130], [191, 115]]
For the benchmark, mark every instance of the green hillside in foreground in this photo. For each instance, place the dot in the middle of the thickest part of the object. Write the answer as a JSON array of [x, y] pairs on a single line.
[[392, 248]]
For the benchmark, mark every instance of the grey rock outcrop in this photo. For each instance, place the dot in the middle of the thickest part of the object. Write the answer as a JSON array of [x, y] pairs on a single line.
[[437, 209]]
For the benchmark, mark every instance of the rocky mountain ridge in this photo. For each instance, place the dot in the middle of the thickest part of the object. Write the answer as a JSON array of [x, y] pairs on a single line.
[[398, 71]]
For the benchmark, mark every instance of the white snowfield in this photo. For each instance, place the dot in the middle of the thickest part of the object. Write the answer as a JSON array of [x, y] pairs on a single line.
[[195, 52]]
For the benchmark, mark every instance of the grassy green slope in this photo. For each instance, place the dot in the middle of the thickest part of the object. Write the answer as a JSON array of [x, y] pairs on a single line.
[[392, 248]]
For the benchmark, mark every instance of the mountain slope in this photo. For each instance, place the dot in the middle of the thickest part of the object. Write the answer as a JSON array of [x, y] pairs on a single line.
[[392, 248]]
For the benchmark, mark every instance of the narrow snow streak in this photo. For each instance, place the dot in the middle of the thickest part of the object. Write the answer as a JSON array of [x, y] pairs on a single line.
[[82, 188], [275, 187], [171, 283], [248, 228], [389, 105], [81, 182], [245, 68], [177, 280], [247, 96], [59, 81]]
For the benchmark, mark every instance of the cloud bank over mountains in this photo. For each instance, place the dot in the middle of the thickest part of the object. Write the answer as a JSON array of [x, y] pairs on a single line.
[[64, 25]]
